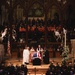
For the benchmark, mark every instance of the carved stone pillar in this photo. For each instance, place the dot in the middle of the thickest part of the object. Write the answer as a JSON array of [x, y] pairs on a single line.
[[73, 50]]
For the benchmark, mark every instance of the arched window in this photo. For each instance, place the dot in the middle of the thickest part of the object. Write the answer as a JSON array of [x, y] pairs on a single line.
[[36, 11], [4, 14], [18, 13]]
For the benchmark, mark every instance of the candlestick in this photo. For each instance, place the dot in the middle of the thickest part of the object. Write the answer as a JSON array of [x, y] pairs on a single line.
[[64, 31], [65, 40]]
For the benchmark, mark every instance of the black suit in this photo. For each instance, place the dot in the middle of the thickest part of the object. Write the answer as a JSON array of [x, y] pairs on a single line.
[[46, 57]]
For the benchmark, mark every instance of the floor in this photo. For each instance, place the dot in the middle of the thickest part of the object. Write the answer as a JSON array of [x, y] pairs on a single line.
[[33, 70]]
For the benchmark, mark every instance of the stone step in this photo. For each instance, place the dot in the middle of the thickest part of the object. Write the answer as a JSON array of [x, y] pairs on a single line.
[[36, 74]]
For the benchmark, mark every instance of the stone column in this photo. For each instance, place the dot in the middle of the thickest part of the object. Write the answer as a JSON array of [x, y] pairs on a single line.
[[73, 50]]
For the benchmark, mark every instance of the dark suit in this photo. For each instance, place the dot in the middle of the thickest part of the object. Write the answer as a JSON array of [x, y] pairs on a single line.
[[46, 57]]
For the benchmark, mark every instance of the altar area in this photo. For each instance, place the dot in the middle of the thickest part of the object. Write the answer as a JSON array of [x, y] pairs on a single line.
[[34, 69]]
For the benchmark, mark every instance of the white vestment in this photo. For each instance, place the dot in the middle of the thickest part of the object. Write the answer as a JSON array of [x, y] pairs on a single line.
[[58, 35], [26, 56]]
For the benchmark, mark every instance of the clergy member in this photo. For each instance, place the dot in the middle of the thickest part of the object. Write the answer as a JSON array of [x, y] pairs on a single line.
[[26, 55]]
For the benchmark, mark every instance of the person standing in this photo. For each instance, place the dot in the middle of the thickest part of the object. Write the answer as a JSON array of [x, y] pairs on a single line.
[[46, 56], [26, 54], [40, 51], [32, 51], [39, 48]]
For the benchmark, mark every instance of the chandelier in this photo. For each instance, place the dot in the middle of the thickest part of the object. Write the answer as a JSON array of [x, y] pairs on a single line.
[[62, 1], [9, 2]]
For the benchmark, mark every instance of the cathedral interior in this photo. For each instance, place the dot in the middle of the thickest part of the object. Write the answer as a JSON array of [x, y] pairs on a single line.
[[33, 22], [36, 22], [49, 23]]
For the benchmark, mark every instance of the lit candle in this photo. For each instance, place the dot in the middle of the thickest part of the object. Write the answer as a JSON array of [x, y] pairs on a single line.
[[64, 31], [65, 39]]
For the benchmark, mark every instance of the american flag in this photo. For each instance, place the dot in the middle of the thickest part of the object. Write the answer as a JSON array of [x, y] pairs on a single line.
[[39, 55], [8, 46]]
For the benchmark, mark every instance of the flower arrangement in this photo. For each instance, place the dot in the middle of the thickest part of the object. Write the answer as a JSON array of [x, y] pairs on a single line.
[[65, 54]]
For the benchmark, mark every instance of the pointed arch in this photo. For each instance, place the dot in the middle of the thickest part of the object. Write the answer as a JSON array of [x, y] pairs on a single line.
[[18, 2], [52, 10], [36, 9], [18, 12]]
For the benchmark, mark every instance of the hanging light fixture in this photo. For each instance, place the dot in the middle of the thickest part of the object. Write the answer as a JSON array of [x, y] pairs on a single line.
[[59, 0], [8, 2], [62, 1]]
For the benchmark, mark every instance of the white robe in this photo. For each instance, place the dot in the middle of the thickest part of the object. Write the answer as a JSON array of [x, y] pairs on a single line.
[[58, 35], [26, 56]]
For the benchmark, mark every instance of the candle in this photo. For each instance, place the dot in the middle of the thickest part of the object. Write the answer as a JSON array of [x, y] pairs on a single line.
[[64, 31], [65, 40]]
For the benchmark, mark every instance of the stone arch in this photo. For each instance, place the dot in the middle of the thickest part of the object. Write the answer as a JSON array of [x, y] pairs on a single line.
[[56, 5], [18, 3], [39, 8], [18, 12], [52, 10], [34, 2]]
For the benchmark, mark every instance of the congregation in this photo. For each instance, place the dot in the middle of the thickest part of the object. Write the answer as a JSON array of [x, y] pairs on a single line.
[[53, 69]]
